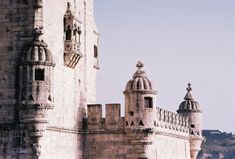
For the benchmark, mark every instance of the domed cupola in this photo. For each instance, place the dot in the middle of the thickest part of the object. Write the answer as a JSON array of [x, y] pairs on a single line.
[[189, 104], [140, 100], [139, 82], [37, 53]]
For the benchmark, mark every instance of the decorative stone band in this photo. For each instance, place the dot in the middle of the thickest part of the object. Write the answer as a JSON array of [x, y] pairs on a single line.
[[37, 63], [141, 142], [35, 117], [119, 131], [140, 91], [36, 106]]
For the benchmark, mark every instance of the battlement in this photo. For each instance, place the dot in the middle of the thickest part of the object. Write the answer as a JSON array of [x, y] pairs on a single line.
[[112, 120], [164, 120], [170, 120]]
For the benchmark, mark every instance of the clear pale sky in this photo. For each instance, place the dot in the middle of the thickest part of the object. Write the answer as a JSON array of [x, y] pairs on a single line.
[[179, 41]]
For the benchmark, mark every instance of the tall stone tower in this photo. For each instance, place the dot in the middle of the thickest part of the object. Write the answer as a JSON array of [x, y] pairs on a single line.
[[191, 109], [48, 66]]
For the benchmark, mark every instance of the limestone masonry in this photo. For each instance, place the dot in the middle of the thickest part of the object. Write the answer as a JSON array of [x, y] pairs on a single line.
[[48, 65]]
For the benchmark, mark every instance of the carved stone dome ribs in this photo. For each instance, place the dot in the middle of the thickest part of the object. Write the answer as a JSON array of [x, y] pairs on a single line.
[[189, 104], [37, 53], [139, 81]]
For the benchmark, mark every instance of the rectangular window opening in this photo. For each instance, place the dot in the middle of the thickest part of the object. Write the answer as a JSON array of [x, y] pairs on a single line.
[[95, 51], [39, 74], [131, 113], [148, 102]]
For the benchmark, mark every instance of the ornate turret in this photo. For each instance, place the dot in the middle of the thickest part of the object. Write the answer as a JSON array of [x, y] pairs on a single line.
[[140, 98], [36, 85], [191, 109], [72, 40]]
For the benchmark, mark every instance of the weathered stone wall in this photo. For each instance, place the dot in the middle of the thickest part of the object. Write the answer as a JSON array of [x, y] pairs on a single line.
[[112, 137], [73, 88], [74, 131], [61, 143], [15, 31], [134, 145], [174, 147]]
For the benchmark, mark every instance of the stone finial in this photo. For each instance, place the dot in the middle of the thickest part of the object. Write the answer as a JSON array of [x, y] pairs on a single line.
[[139, 64], [189, 104], [140, 71], [188, 95], [68, 6], [139, 81], [189, 88], [37, 33]]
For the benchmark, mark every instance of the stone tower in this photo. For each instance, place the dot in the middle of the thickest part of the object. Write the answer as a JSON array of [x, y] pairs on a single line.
[[48, 65], [191, 109], [140, 100]]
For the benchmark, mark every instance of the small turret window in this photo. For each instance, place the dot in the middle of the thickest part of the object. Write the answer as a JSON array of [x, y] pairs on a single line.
[[95, 51], [148, 102], [131, 113], [39, 74], [192, 126]]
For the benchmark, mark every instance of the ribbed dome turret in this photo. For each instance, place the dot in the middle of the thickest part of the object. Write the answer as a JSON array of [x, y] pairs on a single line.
[[139, 81], [37, 52], [189, 104]]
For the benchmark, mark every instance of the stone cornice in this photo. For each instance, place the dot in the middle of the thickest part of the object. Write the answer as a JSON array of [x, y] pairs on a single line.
[[120, 131]]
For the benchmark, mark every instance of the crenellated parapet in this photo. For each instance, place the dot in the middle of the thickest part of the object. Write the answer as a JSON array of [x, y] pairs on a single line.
[[171, 121], [164, 120], [112, 120]]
